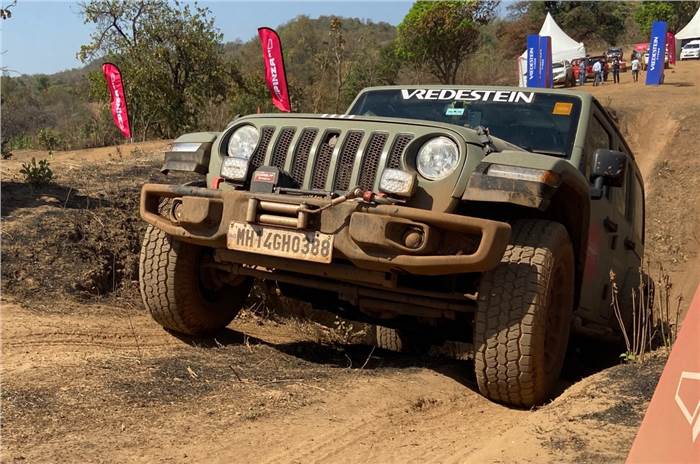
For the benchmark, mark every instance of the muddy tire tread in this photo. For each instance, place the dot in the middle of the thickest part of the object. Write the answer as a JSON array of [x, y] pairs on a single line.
[[506, 325], [169, 288], [389, 339]]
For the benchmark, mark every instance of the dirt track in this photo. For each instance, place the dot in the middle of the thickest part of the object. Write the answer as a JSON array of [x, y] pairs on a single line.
[[98, 382]]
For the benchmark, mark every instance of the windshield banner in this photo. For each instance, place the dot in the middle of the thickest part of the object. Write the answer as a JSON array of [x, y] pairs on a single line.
[[115, 85], [274, 68], [657, 51]]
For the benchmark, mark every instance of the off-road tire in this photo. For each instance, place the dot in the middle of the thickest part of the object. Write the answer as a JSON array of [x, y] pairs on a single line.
[[523, 316], [173, 289], [400, 341]]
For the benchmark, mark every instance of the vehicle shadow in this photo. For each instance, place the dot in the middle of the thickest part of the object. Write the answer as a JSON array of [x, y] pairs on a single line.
[[680, 84], [341, 356], [20, 195], [584, 357]]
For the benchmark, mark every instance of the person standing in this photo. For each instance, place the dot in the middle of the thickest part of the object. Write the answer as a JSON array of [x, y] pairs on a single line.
[[635, 69], [597, 74], [616, 70], [606, 69], [582, 70]]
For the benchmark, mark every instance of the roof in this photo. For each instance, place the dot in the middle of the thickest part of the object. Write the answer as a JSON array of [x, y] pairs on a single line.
[[692, 29]]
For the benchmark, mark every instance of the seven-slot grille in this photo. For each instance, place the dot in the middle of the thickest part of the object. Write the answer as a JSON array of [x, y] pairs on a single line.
[[328, 160]]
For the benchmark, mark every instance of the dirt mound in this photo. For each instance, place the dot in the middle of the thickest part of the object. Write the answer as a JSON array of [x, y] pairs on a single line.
[[595, 420], [78, 236]]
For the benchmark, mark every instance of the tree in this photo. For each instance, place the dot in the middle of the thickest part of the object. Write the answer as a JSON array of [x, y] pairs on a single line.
[[170, 56], [583, 21], [6, 12], [676, 14], [442, 34], [337, 50]]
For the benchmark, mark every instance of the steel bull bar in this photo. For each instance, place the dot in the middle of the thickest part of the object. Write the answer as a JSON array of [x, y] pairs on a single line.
[[373, 237]]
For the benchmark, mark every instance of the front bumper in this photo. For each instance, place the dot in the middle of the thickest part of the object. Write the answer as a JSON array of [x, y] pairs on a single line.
[[369, 236]]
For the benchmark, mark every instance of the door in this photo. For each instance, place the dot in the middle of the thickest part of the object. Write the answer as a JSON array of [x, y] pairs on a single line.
[[607, 229]]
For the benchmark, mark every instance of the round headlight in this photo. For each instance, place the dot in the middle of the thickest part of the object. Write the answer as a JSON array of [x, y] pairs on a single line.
[[437, 158], [243, 142]]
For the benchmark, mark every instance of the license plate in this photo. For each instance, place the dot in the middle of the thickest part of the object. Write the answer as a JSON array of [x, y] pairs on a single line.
[[304, 245]]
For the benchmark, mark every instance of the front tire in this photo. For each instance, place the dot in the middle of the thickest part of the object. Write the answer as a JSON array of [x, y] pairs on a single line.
[[523, 315], [181, 292]]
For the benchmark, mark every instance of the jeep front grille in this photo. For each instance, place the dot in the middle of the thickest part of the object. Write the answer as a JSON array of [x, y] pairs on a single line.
[[256, 159], [330, 159], [281, 146], [301, 154]]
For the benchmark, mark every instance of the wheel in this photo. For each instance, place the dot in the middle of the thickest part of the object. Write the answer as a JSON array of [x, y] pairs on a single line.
[[400, 341], [181, 291], [523, 315]]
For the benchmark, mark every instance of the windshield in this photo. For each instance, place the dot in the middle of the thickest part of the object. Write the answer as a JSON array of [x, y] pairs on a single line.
[[692, 46], [538, 122]]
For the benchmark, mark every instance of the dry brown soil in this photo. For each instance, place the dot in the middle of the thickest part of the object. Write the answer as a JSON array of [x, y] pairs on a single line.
[[88, 377]]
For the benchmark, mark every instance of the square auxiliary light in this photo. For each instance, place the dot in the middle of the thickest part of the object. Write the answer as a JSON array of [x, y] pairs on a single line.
[[234, 168], [397, 182]]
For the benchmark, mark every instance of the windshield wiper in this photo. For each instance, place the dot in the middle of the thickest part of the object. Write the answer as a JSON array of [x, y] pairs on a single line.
[[560, 154], [486, 140]]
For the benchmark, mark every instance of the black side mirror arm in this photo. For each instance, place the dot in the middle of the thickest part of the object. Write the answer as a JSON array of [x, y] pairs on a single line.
[[598, 188]]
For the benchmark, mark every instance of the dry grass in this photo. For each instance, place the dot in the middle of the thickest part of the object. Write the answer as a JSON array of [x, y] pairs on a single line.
[[653, 317]]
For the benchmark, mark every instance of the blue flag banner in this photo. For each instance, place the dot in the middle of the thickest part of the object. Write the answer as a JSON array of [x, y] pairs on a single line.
[[533, 46], [545, 70], [657, 53]]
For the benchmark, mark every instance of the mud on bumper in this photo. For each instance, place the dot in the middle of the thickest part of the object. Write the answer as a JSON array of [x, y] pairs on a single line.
[[370, 237]]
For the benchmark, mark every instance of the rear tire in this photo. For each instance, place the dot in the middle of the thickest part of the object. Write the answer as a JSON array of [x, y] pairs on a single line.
[[523, 315], [400, 341], [181, 294]]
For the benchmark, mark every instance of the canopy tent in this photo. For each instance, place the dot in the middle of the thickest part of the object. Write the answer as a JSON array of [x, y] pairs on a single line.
[[563, 47], [689, 32]]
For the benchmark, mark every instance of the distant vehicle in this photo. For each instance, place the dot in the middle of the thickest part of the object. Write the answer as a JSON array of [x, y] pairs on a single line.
[[614, 52], [603, 60], [691, 50], [645, 61], [563, 74], [591, 62]]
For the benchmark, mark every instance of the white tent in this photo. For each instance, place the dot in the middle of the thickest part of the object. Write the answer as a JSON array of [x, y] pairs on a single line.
[[563, 47], [691, 30]]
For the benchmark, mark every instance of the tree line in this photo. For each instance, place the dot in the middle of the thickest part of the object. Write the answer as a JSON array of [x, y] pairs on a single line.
[[180, 76]]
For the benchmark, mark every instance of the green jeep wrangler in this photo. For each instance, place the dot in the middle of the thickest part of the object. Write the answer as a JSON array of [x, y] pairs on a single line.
[[486, 215]]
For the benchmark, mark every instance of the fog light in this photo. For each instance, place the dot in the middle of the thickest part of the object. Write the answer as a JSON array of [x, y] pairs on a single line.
[[397, 182], [413, 238], [234, 168]]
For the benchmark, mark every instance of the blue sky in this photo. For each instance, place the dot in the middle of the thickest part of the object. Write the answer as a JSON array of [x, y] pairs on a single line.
[[43, 37]]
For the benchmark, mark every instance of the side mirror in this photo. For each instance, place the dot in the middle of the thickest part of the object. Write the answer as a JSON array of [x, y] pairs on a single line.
[[608, 170]]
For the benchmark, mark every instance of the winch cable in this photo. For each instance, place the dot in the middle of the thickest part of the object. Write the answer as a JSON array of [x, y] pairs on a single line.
[[351, 195], [354, 194]]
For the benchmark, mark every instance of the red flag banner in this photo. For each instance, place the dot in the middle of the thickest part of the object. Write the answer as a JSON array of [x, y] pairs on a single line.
[[671, 44], [275, 76], [116, 91]]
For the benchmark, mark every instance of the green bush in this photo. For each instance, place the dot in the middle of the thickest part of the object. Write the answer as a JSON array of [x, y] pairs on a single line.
[[49, 139], [37, 173]]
